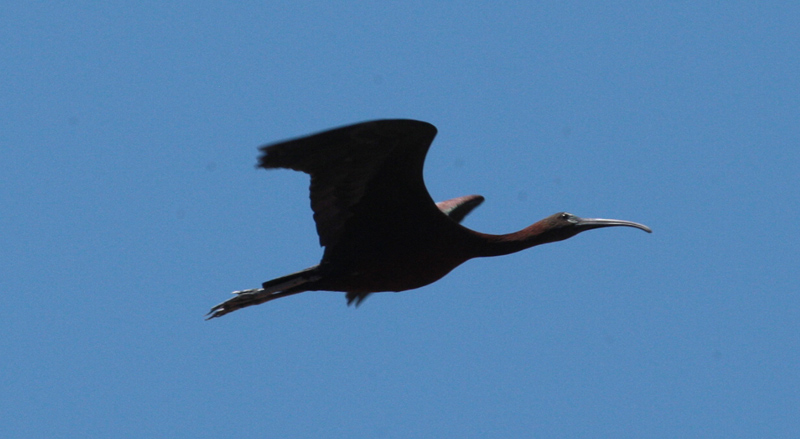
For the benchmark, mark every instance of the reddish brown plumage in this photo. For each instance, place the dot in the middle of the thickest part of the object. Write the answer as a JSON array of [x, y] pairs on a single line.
[[379, 226]]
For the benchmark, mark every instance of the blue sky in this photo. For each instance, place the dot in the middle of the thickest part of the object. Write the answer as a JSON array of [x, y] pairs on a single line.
[[130, 206]]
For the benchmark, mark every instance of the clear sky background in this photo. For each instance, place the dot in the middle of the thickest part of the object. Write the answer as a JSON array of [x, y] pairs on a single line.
[[130, 205]]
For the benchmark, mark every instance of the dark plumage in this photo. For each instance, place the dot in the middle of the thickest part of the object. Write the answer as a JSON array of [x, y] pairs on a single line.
[[379, 226]]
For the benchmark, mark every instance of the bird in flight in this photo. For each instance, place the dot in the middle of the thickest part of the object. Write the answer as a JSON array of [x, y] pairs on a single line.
[[379, 226]]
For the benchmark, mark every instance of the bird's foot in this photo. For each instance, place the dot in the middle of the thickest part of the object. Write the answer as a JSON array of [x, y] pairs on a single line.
[[242, 299]]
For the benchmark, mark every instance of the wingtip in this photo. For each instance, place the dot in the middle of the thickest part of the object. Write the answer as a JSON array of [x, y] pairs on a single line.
[[356, 299]]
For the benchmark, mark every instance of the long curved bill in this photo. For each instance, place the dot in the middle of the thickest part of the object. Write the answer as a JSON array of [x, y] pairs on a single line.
[[596, 223]]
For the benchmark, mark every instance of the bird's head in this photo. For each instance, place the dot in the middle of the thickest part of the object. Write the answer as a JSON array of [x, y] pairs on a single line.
[[564, 225]]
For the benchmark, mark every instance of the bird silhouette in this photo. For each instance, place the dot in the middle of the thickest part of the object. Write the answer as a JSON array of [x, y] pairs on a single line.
[[379, 226]]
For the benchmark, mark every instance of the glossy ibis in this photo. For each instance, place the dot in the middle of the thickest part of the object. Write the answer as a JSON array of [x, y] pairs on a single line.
[[379, 226]]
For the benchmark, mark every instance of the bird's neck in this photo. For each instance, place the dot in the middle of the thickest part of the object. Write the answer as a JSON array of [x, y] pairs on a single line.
[[498, 245]]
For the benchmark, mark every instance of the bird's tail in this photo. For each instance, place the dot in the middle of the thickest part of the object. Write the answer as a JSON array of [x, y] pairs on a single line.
[[281, 287]]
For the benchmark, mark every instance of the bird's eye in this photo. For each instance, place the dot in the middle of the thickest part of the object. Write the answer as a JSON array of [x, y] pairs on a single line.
[[565, 216]]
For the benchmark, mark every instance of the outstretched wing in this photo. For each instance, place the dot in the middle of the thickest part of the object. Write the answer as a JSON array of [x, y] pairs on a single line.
[[377, 157]]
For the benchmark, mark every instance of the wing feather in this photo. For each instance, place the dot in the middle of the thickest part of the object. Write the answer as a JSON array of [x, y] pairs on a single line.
[[345, 163]]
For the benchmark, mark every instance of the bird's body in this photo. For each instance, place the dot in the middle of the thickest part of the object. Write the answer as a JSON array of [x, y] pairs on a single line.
[[379, 226]]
